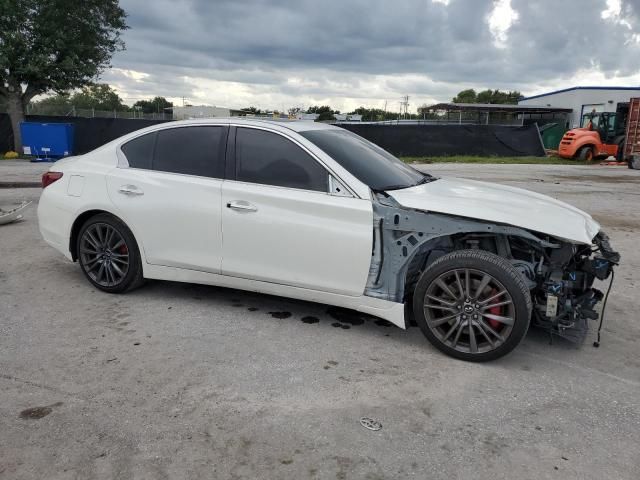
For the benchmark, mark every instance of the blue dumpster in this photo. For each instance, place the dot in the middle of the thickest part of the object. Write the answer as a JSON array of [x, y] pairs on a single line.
[[47, 141]]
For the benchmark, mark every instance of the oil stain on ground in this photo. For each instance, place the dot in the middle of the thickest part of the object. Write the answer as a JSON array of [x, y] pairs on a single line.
[[309, 319], [383, 323], [344, 315], [280, 314], [340, 325], [36, 413]]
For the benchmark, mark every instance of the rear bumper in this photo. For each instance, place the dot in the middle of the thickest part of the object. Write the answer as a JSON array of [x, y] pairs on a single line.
[[54, 223]]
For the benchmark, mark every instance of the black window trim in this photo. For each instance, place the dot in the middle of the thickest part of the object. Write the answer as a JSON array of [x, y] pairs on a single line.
[[124, 163], [232, 160]]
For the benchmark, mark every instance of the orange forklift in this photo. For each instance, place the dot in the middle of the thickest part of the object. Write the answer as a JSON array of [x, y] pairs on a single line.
[[603, 134]]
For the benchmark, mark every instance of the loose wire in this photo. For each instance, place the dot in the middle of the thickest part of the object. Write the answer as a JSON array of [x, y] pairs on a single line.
[[604, 306]]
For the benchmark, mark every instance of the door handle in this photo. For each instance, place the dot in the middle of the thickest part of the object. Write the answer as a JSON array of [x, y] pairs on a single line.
[[242, 206], [130, 190]]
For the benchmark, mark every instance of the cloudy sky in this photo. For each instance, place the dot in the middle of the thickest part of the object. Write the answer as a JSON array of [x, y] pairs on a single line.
[[347, 53]]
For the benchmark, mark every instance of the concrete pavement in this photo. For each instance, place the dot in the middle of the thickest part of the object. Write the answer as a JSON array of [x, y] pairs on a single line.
[[185, 381]]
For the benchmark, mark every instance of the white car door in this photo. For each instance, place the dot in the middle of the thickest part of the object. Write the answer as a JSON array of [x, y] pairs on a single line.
[[170, 195], [280, 223]]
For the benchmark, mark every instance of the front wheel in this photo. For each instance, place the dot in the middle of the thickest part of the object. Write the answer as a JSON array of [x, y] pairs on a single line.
[[472, 305]]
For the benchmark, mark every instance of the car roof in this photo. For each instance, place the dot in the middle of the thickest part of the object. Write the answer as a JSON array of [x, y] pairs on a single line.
[[295, 125]]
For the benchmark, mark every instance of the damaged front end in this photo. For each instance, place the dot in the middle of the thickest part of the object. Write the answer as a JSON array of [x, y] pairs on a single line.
[[564, 298], [559, 274]]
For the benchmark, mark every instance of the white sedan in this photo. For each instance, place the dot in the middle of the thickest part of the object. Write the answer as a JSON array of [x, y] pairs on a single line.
[[314, 212]]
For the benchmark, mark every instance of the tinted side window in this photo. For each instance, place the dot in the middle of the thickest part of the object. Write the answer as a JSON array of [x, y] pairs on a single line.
[[139, 151], [270, 159], [191, 150]]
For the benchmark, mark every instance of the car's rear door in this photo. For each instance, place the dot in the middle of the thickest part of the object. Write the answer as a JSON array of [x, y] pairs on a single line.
[[282, 225], [169, 192]]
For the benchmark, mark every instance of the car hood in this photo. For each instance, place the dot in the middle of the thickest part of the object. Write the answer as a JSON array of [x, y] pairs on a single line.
[[500, 204]]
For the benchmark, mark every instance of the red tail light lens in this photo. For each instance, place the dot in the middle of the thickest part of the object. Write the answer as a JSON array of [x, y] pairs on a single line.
[[49, 177]]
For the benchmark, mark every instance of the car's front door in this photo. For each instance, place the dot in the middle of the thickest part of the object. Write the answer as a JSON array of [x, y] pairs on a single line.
[[281, 225], [170, 195]]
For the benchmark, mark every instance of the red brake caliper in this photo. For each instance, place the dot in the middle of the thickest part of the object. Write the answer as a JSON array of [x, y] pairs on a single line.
[[495, 324], [123, 249]]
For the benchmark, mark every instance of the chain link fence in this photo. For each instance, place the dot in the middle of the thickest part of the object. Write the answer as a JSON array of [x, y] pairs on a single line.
[[72, 111]]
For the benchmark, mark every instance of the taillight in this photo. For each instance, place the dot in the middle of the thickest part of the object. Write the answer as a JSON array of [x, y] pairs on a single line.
[[49, 177]]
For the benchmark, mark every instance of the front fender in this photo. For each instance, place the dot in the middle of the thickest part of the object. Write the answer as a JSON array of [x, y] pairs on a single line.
[[402, 234]]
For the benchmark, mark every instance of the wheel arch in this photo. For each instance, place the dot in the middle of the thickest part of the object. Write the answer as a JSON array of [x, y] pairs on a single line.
[[431, 250], [586, 143], [406, 240], [80, 221]]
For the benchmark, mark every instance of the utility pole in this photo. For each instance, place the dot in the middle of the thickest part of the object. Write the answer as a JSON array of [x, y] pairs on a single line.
[[404, 106]]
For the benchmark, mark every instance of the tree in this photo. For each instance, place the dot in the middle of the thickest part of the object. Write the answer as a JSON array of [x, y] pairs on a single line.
[[487, 96], [96, 96], [372, 114], [325, 112], [99, 97], [156, 105], [252, 111], [466, 96], [54, 46], [58, 104]]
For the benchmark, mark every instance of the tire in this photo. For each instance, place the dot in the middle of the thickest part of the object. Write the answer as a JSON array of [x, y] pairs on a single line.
[[585, 154], [467, 324], [108, 254]]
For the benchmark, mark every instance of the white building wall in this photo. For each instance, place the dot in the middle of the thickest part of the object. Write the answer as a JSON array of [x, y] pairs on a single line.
[[307, 116], [199, 111], [583, 101], [344, 117]]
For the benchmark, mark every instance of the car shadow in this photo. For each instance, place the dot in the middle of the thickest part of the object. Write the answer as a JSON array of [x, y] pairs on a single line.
[[300, 311]]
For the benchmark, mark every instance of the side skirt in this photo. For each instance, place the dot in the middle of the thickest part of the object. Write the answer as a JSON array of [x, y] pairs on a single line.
[[390, 311]]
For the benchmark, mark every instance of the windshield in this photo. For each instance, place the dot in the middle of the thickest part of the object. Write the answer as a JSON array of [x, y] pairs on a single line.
[[594, 118], [366, 161]]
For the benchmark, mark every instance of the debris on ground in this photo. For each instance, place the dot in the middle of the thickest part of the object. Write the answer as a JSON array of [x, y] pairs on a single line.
[[13, 215], [370, 424]]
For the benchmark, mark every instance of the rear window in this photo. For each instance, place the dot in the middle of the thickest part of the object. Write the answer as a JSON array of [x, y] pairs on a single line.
[[193, 150]]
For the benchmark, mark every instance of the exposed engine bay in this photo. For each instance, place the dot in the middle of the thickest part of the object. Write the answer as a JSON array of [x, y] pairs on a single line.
[[560, 274]]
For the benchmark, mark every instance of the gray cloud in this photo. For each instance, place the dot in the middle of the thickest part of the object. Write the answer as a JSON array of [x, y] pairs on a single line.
[[370, 50]]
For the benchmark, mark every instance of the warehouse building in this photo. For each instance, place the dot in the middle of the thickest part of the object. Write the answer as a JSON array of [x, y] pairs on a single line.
[[583, 100]]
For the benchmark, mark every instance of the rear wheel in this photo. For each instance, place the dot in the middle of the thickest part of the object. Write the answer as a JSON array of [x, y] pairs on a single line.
[[472, 305], [108, 254], [585, 154]]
